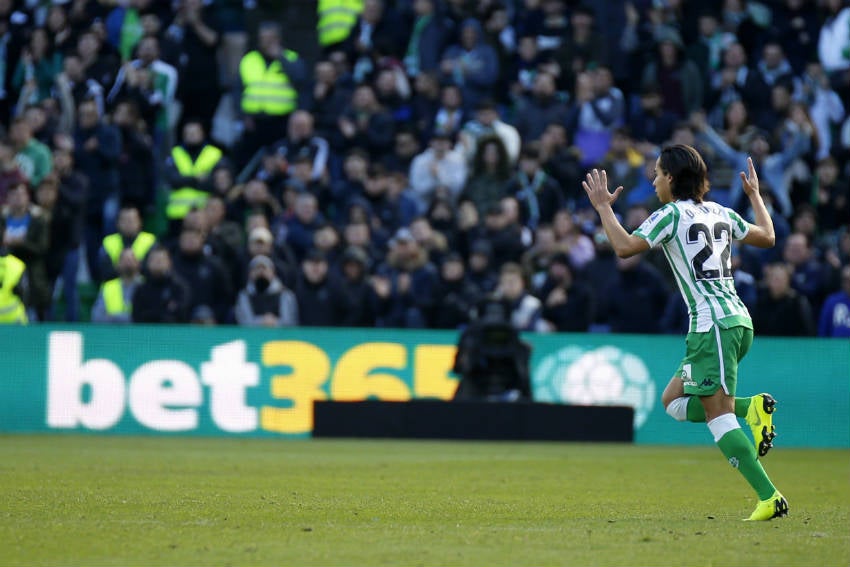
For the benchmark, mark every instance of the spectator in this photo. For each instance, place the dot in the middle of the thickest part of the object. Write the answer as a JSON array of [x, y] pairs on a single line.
[[67, 218], [624, 164], [194, 34], [406, 147], [481, 272], [833, 42], [152, 82], [99, 65], [542, 107], [485, 125], [313, 291], [526, 310], [637, 297], [33, 157], [472, 64], [164, 297], [301, 139], [584, 47], [405, 284], [97, 148], [835, 315], [488, 181], [450, 115], [10, 173], [797, 29], [329, 99], [780, 310], [265, 301], [36, 70], [188, 173], [366, 124], [300, 229], [376, 25], [506, 237], [426, 102], [352, 290], [677, 77], [130, 235], [561, 161], [114, 301], [831, 195], [204, 274], [123, 27], [536, 259], [261, 243], [652, 122], [225, 239], [538, 194], [73, 87], [570, 239], [439, 171], [568, 305], [136, 165], [433, 242], [808, 274], [456, 295], [597, 110], [427, 38], [27, 237]]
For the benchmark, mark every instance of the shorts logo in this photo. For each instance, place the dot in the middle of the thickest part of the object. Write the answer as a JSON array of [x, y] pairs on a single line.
[[707, 382], [686, 375]]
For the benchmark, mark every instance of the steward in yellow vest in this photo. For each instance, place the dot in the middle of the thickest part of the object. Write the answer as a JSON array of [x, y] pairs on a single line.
[[12, 309], [114, 303], [129, 236], [336, 20], [188, 171]]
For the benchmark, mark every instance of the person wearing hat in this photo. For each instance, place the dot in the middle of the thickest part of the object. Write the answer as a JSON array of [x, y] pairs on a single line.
[[313, 291], [265, 301], [481, 272], [261, 243], [352, 290]]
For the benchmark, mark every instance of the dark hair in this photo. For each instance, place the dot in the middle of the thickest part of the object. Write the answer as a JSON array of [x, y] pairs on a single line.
[[689, 172], [503, 169]]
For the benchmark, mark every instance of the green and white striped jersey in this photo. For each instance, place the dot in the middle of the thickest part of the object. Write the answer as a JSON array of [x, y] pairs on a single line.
[[697, 240]]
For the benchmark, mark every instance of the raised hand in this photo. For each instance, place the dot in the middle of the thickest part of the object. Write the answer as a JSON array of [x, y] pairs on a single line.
[[596, 187], [750, 180]]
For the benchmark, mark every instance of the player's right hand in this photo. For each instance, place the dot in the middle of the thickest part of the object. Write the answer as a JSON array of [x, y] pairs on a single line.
[[750, 180]]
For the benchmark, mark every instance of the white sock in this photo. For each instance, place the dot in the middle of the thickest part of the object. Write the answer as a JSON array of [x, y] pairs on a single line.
[[723, 424], [678, 409]]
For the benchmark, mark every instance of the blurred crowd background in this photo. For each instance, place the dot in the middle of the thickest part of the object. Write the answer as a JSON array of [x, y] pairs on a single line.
[[391, 163]]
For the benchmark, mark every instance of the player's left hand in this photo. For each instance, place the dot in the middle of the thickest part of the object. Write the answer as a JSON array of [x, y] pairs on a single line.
[[596, 187]]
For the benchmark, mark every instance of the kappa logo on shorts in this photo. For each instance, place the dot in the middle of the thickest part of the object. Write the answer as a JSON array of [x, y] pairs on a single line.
[[707, 382]]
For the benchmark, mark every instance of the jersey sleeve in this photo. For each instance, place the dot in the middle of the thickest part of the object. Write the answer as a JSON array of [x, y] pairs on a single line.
[[740, 227], [659, 228]]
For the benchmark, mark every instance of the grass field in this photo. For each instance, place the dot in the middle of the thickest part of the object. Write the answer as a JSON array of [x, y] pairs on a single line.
[[86, 500]]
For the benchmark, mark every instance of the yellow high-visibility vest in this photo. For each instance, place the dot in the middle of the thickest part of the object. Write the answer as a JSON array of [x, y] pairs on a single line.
[[114, 245], [336, 19], [113, 298], [12, 310], [266, 88], [184, 199]]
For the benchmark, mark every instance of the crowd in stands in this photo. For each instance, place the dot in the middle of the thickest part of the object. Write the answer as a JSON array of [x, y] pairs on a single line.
[[189, 164]]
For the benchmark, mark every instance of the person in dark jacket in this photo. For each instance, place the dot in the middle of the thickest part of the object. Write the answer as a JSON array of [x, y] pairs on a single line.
[[353, 296], [136, 168], [164, 297], [97, 148], [538, 194], [780, 309], [456, 295], [205, 275], [637, 297], [313, 291], [568, 305], [427, 38]]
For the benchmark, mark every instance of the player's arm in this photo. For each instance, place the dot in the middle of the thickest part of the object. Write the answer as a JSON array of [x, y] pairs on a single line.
[[761, 233], [623, 243]]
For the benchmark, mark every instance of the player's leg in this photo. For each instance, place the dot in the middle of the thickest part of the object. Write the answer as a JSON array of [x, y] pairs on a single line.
[[715, 381], [688, 408]]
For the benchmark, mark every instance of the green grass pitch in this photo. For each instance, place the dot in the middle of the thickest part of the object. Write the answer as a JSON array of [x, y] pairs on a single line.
[[88, 500]]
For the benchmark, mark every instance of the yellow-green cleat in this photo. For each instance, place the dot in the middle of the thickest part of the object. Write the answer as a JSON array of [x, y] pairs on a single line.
[[774, 507], [760, 420]]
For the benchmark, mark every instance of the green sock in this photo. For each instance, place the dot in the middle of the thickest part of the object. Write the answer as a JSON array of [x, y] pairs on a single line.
[[741, 455], [696, 413]]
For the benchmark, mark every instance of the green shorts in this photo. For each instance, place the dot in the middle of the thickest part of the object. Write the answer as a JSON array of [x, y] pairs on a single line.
[[711, 360]]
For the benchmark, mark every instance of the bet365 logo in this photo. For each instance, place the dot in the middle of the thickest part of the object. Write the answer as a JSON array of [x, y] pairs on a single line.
[[600, 376]]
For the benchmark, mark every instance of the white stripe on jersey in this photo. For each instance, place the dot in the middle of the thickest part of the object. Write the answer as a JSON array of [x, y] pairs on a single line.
[[696, 239]]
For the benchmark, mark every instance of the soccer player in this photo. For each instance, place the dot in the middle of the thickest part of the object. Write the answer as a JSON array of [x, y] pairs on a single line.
[[696, 237]]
